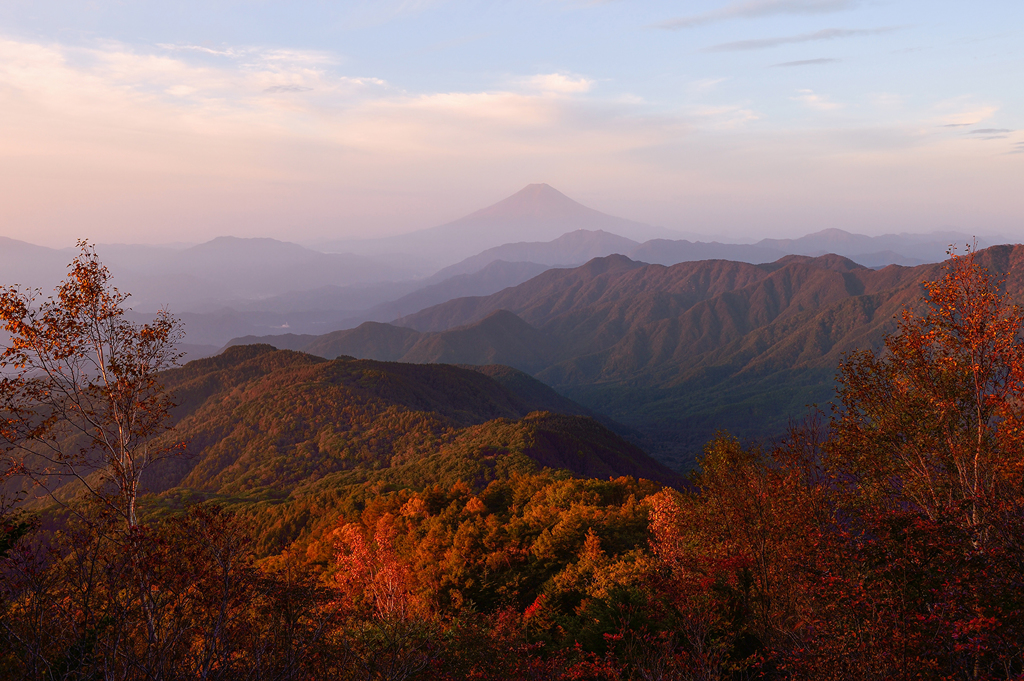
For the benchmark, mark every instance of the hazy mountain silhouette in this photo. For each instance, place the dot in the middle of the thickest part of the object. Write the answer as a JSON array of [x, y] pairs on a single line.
[[493, 277], [205, 277], [576, 248], [28, 265], [538, 212], [572, 248], [320, 310], [874, 251], [672, 252], [259, 267], [349, 299]]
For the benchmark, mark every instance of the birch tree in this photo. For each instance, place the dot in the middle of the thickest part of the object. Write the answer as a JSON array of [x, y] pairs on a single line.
[[80, 397]]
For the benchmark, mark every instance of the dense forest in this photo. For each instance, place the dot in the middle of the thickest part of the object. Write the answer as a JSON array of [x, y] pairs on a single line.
[[382, 529]]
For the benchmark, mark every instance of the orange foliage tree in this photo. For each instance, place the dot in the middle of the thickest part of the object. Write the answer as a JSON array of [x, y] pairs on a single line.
[[734, 550], [937, 419], [888, 546], [922, 573], [79, 393], [390, 631]]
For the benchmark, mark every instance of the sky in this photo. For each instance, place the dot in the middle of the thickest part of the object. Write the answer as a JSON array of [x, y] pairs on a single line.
[[156, 122]]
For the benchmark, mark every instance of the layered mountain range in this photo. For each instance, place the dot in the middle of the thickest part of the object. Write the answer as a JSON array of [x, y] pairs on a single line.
[[671, 337], [231, 287], [674, 352]]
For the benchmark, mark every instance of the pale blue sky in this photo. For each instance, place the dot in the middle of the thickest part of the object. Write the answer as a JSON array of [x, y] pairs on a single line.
[[167, 121]]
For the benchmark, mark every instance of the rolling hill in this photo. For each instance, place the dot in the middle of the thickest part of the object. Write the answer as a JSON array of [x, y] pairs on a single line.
[[245, 409], [265, 428]]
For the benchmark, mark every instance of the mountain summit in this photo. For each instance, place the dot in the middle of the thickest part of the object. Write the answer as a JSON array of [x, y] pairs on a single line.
[[532, 201], [543, 203], [538, 212]]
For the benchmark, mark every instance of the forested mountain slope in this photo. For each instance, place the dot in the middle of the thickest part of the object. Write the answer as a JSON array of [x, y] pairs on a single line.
[[675, 352], [255, 418], [680, 352], [269, 426]]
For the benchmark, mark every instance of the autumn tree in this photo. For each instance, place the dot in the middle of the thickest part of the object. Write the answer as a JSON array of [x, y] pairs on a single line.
[[389, 628], [937, 419], [734, 550], [80, 398], [920, 572], [887, 545]]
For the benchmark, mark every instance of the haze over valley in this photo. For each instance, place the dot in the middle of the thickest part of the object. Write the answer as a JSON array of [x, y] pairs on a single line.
[[229, 286], [670, 338]]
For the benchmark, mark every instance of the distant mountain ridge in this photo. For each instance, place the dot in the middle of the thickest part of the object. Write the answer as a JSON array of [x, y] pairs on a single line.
[[576, 248], [674, 352], [198, 278], [495, 276], [538, 212], [571, 248], [230, 287], [874, 251]]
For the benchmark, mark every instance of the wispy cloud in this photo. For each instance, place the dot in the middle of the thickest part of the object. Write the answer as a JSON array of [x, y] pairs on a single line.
[[807, 62], [287, 88], [964, 111], [558, 83], [991, 133], [758, 8], [816, 101], [823, 34], [706, 83], [227, 52]]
